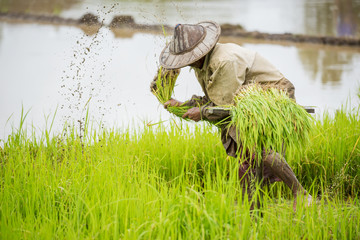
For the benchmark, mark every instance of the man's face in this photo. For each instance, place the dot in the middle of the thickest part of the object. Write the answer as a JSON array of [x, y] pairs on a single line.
[[198, 64]]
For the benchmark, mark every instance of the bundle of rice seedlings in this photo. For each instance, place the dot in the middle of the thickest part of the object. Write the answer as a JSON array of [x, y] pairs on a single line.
[[269, 120], [164, 89]]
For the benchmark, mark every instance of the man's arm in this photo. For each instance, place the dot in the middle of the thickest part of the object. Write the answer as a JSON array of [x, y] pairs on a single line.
[[195, 101], [202, 109], [213, 113], [208, 111]]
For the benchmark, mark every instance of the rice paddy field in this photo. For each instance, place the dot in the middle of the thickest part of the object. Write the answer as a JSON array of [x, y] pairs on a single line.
[[166, 178], [172, 182]]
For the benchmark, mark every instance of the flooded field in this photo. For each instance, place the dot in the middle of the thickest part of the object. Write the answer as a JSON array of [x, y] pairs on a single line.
[[86, 151], [63, 69]]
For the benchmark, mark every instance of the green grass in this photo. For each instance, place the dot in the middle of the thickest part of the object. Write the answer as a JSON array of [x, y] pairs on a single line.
[[172, 183]]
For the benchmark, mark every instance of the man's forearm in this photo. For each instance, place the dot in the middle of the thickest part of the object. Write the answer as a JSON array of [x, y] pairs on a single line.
[[208, 109], [213, 113]]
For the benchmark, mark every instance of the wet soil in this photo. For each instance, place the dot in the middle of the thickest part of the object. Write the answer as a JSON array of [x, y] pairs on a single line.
[[125, 22]]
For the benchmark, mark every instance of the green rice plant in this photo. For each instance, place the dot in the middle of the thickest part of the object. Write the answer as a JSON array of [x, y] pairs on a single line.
[[269, 120], [333, 155], [159, 182], [164, 89]]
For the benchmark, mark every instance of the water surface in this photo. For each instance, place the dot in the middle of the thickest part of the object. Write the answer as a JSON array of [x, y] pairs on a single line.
[[44, 68], [62, 69]]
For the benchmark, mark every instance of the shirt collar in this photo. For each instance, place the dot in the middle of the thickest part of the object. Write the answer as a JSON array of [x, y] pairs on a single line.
[[205, 64]]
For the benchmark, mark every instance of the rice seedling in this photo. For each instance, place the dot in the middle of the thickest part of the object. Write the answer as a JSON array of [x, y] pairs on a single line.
[[269, 120], [163, 89]]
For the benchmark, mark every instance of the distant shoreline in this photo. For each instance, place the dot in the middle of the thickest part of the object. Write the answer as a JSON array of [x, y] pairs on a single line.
[[125, 22]]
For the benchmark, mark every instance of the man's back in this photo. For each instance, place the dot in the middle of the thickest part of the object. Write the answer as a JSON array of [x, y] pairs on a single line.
[[229, 66]]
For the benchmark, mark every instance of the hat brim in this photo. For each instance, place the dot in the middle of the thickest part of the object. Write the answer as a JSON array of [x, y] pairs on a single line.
[[173, 61]]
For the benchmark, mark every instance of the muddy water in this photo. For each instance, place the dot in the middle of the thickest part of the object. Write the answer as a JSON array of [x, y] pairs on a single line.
[[48, 68]]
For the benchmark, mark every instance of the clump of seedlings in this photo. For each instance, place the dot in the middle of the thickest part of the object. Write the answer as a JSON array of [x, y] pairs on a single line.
[[269, 120], [163, 88]]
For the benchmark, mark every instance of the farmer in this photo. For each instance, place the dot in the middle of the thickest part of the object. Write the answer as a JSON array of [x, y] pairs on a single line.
[[222, 71]]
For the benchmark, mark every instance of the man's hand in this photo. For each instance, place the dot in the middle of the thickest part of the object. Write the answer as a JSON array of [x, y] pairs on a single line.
[[193, 114], [172, 103], [165, 73]]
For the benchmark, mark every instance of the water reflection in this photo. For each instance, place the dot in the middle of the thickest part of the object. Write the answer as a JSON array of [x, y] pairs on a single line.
[[89, 30], [346, 17], [122, 33], [332, 17], [325, 65], [319, 20], [42, 6]]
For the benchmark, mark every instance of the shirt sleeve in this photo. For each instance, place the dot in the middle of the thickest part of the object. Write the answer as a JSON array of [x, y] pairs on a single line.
[[208, 109], [213, 114], [196, 101]]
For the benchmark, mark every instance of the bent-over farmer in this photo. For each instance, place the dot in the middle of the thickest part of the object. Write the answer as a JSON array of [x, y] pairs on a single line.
[[222, 70]]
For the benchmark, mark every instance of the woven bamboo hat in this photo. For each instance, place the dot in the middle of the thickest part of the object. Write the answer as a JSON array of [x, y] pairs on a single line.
[[189, 44]]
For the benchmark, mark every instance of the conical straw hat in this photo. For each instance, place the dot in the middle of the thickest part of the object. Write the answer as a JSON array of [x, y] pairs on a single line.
[[189, 44]]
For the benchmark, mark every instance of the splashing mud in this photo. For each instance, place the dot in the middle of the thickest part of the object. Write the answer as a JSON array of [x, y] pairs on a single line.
[[83, 85]]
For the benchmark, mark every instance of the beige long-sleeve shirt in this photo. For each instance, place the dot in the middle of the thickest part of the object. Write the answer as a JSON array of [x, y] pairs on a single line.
[[228, 67]]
